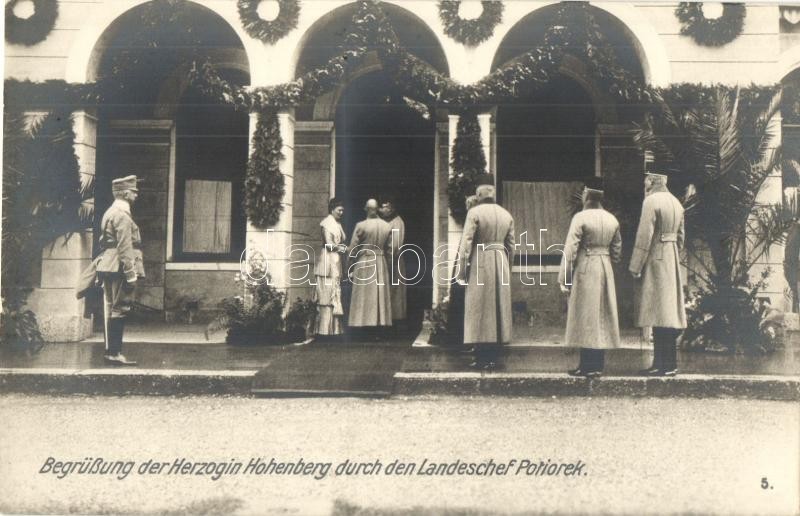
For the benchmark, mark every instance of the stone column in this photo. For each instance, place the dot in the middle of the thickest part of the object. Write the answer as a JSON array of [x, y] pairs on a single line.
[[771, 192], [273, 243], [453, 227], [60, 314], [314, 185]]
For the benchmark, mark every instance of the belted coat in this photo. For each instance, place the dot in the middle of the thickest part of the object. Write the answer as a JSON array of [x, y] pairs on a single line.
[[371, 245], [121, 243], [485, 255], [593, 243], [656, 256]]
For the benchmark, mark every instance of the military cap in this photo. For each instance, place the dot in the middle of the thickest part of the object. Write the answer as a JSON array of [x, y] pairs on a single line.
[[124, 183]]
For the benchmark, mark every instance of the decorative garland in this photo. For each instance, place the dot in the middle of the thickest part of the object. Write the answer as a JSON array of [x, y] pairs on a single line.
[[575, 32], [269, 31], [469, 165], [32, 30], [711, 33], [470, 32], [264, 185]]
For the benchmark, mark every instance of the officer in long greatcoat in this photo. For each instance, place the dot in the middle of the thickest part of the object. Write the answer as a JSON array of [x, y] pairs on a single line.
[[120, 266], [593, 243], [656, 264], [485, 255], [397, 266], [371, 244]]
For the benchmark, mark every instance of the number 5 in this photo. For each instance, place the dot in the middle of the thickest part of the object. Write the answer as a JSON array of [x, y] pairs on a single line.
[[764, 483]]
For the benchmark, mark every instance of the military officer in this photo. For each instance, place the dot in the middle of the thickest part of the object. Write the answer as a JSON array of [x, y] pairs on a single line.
[[485, 254], [397, 264], [593, 244], [656, 264], [120, 266], [370, 303]]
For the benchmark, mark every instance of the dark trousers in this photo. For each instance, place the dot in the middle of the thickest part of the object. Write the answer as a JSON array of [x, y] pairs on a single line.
[[487, 353], [455, 315], [592, 360], [665, 348], [117, 303]]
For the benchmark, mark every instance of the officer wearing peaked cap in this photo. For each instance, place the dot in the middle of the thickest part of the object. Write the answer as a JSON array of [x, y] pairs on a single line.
[[656, 263], [593, 244], [485, 255], [120, 265]]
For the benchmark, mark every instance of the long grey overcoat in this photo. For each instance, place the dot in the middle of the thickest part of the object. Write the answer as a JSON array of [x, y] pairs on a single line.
[[398, 269], [371, 245], [593, 243], [659, 239], [485, 255]]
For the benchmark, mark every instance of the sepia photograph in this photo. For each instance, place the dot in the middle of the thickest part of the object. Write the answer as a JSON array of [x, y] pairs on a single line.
[[400, 257]]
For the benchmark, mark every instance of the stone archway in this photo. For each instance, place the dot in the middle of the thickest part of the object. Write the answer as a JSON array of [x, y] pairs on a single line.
[[547, 145], [191, 153], [362, 140]]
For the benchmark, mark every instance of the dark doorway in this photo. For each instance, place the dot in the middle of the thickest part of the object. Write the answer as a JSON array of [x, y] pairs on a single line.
[[385, 148]]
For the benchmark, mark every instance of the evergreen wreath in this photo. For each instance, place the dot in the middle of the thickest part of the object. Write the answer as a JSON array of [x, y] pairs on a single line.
[[269, 31], [711, 33], [470, 32], [264, 185], [32, 30]]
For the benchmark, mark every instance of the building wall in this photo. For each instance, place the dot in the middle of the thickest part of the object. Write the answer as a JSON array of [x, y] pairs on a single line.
[[767, 50], [671, 57]]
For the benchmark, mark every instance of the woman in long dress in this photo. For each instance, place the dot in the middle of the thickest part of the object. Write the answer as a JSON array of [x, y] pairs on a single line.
[[593, 243], [328, 272]]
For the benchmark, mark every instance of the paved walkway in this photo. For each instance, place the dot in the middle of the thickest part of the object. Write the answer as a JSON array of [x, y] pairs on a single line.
[[382, 368]]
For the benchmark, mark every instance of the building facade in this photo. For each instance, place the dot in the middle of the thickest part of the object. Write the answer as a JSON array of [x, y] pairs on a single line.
[[360, 140]]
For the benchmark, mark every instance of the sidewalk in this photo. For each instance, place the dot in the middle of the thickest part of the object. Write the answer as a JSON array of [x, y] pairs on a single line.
[[386, 368]]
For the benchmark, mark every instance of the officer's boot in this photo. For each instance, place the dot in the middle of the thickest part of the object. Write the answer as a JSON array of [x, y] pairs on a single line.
[[116, 328], [583, 364], [658, 354], [597, 364], [670, 356]]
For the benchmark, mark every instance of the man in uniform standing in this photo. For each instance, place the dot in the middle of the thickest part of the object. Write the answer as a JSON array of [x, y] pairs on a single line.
[[656, 264], [397, 265], [485, 254], [120, 265], [370, 303]]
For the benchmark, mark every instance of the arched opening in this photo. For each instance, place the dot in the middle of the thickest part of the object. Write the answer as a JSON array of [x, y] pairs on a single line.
[[190, 153], [379, 146], [547, 144]]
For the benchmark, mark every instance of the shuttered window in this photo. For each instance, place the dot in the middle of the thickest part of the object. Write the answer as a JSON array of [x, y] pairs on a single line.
[[540, 205], [207, 217]]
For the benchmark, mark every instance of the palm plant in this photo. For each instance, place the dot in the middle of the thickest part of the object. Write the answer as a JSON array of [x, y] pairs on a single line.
[[43, 198], [718, 147]]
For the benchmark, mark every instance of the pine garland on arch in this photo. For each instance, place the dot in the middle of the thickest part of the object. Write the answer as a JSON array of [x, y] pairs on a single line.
[[32, 30], [264, 185], [711, 32], [470, 32], [269, 31]]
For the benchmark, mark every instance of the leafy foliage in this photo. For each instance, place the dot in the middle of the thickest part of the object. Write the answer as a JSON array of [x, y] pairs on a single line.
[[469, 165], [256, 317], [269, 31], [711, 32], [299, 319], [264, 185], [574, 31], [42, 200], [470, 32], [720, 149], [34, 29]]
